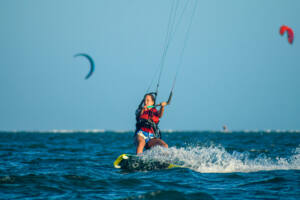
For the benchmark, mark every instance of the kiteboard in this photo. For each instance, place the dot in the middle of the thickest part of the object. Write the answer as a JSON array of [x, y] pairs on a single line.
[[137, 163]]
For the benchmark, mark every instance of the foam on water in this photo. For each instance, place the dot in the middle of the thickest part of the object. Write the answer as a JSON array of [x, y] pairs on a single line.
[[214, 159]]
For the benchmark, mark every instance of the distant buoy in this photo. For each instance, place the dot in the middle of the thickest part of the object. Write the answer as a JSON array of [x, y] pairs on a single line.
[[225, 129]]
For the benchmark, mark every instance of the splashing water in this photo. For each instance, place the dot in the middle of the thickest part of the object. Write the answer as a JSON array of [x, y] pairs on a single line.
[[215, 159]]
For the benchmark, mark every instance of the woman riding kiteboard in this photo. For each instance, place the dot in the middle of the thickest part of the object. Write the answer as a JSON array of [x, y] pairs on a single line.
[[147, 133]]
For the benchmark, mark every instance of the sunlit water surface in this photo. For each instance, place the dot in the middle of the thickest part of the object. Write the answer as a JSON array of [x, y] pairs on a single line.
[[78, 165]]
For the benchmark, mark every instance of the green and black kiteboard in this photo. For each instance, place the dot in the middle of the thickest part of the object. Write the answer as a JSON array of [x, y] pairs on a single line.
[[137, 163]]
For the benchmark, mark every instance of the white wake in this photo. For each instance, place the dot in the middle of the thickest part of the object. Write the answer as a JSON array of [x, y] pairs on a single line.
[[217, 160]]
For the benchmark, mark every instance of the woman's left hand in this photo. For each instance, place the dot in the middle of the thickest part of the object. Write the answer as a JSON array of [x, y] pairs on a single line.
[[163, 104]]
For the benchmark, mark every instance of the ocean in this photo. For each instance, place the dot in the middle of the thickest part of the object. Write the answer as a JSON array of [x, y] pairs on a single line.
[[62, 164]]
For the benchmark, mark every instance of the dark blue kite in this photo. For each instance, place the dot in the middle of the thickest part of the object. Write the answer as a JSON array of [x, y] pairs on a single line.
[[91, 63]]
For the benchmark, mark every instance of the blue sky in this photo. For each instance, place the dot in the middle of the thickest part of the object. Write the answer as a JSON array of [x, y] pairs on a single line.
[[236, 70]]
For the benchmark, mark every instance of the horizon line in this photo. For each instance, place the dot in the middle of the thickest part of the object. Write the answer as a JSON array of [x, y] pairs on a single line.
[[163, 130]]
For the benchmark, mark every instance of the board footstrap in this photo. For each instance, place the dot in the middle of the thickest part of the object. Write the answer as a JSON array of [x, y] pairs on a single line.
[[119, 159]]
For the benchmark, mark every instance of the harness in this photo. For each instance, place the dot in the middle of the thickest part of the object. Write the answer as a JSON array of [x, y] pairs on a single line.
[[148, 123]]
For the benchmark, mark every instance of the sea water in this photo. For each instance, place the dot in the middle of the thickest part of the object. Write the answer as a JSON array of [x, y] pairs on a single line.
[[216, 165]]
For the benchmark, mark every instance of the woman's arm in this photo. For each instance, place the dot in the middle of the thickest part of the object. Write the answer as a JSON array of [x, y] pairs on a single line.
[[143, 110], [162, 109]]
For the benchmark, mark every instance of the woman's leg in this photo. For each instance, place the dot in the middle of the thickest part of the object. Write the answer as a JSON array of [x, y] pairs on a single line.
[[156, 142], [140, 144]]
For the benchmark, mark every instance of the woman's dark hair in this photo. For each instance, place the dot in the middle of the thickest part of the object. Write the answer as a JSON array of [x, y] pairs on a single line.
[[152, 97]]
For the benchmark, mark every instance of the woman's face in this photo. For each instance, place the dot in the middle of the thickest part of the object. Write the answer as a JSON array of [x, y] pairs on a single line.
[[148, 101]]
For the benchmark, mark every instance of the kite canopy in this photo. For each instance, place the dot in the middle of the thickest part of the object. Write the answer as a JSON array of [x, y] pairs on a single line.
[[91, 63], [289, 31]]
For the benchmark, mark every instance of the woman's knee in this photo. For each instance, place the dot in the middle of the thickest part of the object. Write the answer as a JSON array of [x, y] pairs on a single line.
[[156, 142], [164, 144]]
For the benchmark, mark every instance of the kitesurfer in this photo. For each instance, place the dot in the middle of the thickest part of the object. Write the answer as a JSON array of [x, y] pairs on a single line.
[[147, 133]]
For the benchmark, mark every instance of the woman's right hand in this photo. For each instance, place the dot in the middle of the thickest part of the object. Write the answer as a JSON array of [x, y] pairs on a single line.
[[143, 110]]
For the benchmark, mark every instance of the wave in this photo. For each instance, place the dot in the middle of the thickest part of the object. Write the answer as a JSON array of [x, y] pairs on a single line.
[[214, 159]]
